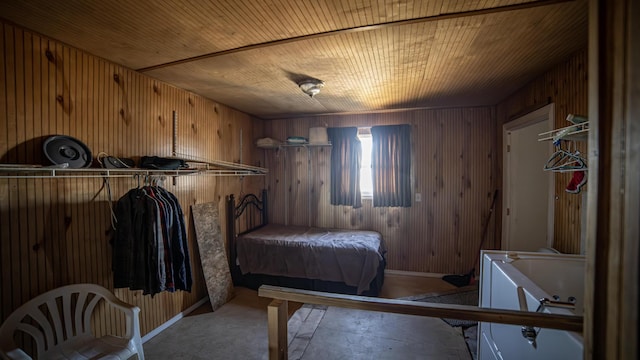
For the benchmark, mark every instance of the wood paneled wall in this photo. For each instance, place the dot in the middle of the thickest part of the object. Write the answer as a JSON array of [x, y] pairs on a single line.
[[566, 86], [56, 231], [453, 168]]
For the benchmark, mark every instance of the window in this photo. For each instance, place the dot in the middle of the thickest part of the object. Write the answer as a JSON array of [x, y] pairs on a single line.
[[366, 178], [373, 163]]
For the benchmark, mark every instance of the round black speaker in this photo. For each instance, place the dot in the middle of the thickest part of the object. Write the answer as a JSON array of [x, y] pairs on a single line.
[[60, 149]]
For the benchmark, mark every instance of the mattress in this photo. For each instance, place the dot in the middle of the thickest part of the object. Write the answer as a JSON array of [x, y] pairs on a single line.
[[349, 256]]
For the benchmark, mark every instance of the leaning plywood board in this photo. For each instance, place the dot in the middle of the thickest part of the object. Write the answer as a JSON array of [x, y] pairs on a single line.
[[212, 255]]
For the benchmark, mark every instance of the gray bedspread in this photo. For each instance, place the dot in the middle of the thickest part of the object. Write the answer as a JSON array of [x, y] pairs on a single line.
[[349, 256]]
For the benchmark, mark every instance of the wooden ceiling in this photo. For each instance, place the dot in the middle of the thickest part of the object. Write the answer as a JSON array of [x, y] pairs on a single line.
[[373, 56]]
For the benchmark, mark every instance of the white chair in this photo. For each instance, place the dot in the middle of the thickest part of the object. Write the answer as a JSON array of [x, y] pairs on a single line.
[[59, 321]]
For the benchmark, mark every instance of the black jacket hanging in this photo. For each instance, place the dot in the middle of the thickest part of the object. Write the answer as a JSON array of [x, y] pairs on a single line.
[[150, 248]]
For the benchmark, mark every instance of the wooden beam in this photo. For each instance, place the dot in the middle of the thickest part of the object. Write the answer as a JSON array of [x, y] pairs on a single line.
[[277, 327], [446, 16], [462, 312], [613, 231]]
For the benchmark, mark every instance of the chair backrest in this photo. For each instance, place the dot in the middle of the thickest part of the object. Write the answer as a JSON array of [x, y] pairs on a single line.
[[55, 317]]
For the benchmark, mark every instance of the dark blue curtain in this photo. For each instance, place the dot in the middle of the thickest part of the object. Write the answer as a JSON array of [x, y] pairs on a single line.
[[346, 156], [391, 165]]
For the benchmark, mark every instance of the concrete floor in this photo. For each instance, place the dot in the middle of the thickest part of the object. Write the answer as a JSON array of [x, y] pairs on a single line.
[[238, 330]]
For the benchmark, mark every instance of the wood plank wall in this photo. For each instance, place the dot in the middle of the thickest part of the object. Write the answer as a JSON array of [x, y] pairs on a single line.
[[566, 86], [56, 231], [453, 169]]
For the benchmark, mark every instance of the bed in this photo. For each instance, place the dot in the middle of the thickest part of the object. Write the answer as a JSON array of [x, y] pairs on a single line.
[[331, 260]]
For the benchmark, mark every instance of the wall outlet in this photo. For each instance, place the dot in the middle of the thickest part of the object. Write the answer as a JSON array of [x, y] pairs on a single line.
[[418, 197]]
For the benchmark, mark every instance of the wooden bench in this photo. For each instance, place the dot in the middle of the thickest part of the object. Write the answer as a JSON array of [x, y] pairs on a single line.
[[59, 322]]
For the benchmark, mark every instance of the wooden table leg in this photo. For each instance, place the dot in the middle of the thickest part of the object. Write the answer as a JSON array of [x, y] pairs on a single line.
[[277, 325]]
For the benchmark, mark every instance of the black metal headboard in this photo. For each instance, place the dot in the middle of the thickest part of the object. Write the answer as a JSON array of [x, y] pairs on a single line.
[[248, 215]]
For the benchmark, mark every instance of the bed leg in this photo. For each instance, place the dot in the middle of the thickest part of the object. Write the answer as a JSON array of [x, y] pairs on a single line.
[[277, 325]]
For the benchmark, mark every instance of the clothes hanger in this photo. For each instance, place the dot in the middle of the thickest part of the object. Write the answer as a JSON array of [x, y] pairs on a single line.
[[563, 160]]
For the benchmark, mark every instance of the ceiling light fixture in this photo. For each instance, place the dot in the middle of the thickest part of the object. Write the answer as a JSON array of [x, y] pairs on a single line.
[[311, 87]]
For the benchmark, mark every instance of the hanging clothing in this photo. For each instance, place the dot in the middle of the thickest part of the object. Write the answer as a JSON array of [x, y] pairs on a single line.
[[150, 251], [391, 165], [346, 158]]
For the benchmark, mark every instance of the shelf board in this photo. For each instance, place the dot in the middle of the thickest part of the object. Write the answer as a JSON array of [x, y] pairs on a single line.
[[578, 132], [285, 145], [207, 164], [43, 172]]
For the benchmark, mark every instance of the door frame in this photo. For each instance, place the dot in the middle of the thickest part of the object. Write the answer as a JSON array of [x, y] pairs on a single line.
[[534, 117]]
